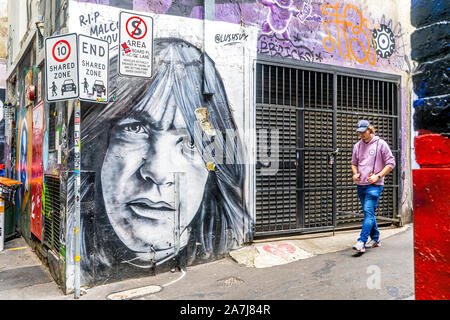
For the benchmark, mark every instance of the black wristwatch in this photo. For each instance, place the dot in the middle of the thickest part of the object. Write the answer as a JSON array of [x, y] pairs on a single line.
[[379, 177]]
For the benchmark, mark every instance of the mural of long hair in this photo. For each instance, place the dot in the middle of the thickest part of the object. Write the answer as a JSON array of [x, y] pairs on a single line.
[[182, 73]]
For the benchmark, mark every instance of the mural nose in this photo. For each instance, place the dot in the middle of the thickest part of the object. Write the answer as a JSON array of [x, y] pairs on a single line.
[[155, 170]]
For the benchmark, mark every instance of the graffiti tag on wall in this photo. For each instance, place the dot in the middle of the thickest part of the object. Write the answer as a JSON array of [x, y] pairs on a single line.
[[272, 45], [356, 36]]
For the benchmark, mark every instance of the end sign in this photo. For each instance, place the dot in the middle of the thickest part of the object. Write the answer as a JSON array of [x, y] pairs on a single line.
[[136, 45], [94, 61], [61, 67]]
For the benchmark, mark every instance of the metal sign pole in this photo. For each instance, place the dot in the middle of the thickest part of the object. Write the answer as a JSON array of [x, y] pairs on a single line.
[[177, 213], [2, 222], [77, 182]]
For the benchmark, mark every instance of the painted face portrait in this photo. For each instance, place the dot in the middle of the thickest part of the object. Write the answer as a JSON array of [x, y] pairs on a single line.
[[136, 143], [144, 152]]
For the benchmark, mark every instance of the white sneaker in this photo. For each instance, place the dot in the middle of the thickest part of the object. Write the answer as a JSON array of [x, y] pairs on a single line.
[[373, 244], [359, 246]]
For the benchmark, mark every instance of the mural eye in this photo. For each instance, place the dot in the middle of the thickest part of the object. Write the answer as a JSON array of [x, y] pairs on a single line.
[[134, 127], [188, 146]]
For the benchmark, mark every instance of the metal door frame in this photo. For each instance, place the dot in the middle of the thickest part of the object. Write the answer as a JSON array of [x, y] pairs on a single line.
[[339, 71]]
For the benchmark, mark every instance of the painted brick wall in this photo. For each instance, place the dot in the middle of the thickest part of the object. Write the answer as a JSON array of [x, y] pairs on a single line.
[[430, 49]]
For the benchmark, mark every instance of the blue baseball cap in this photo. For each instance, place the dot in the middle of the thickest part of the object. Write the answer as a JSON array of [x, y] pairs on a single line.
[[362, 125]]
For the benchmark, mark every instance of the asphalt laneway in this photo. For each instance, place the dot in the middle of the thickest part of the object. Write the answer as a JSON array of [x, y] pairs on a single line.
[[381, 273], [386, 272]]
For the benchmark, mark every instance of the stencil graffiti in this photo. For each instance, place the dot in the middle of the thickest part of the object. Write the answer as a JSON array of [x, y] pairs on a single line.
[[399, 56], [384, 41]]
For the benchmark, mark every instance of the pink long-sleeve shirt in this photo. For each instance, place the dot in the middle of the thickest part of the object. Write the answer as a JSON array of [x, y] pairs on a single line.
[[364, 158]]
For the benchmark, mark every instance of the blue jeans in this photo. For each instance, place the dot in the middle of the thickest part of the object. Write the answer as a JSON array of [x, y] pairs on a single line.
[[369, 196]]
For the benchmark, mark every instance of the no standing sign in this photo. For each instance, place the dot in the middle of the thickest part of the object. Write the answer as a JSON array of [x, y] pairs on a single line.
[[61, 67], [136, 45]]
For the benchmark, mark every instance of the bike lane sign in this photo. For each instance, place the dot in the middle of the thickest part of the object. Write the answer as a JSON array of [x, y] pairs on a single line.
[[135, 45], [61, 67], [93, 56]]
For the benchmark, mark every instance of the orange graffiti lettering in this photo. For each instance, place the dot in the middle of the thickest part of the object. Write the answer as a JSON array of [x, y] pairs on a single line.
[[352, 41]]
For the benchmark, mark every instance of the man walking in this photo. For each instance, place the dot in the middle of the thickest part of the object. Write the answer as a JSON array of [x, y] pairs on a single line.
[[372, 160]]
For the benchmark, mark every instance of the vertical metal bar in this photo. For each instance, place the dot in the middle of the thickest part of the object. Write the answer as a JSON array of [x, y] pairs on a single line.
[[297, 152], [363, 93], [283, 169], [77, 183], [373, 95], [378, 97], [258, 155], [284, 84], [399, 162], [334, 177], [301, 167], [270, 84], [177, 229], [209, 9], [2, 222], [276, 123], [276, 85], [290, 86], [321, 91], [392, 97], [346, 93], [393, 133], [296, 88], [315, 89], [357, 94], [353, 94], [309, 89], [262, 83]]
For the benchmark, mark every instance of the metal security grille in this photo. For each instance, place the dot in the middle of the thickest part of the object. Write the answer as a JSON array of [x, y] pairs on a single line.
[[376, 101], [313, 110], [52, 213]]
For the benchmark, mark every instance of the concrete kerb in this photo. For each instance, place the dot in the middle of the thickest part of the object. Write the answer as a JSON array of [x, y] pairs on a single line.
[[264, 253]]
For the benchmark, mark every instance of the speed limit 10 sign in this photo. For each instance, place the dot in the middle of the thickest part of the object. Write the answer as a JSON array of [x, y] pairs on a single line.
[[61, 56]]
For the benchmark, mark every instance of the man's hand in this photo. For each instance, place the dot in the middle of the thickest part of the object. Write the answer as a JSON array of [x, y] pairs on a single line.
[[356, 177], [373, 178]]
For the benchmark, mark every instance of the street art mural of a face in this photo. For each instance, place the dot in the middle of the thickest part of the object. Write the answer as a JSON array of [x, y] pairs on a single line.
[[148, 133]]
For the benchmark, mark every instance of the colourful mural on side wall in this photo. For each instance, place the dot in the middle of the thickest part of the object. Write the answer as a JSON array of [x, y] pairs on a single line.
[[37, 171], [23, 168]]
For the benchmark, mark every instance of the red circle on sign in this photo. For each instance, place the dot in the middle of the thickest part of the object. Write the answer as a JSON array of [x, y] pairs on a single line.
[[68, 51], [132, 34]]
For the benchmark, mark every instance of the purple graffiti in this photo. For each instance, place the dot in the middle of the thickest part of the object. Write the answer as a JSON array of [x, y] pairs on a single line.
[[272, 45], [280, 15]]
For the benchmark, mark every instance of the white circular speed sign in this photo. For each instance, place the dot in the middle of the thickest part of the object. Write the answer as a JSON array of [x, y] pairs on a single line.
[[61, 50]]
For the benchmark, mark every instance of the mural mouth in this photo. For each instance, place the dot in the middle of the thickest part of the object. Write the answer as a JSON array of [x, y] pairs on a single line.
[[149, 209]]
